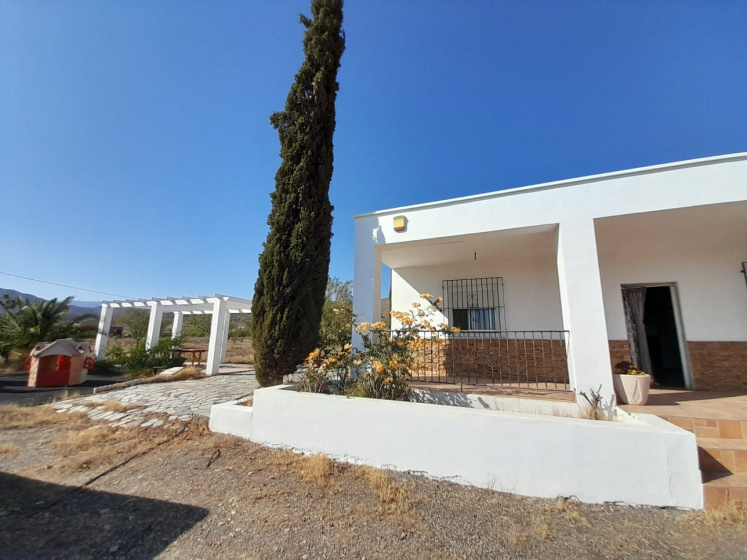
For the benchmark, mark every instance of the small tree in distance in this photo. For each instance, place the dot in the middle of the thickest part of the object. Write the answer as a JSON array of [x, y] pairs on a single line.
[[290, 288], [136, 321]]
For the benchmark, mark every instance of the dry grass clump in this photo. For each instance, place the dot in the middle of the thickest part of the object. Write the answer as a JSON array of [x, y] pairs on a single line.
[[389, 493], [66, 395], [729, 515], [15, 417], [116, 406], [8, 450], [99, 446], [286, 458], [316, 470]]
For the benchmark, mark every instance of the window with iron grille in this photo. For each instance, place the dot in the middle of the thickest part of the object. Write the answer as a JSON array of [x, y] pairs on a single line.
[[474, 304]]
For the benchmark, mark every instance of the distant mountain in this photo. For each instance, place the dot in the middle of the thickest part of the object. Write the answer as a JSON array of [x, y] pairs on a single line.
[[76, 308]]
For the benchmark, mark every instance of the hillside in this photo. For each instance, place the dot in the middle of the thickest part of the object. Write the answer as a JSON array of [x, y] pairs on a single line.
[[76, 308]]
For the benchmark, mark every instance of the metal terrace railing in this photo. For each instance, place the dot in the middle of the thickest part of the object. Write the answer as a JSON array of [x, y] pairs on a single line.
[[523, 359]]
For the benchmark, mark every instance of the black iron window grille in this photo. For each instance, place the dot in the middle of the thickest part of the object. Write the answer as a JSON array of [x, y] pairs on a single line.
[[474, 304]]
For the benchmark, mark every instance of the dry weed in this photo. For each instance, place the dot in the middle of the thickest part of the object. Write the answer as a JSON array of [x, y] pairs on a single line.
[[316, 470], [727, 516], [388, 493], [286, 458], [8, 450], [577, 517], [13, 417], [116, 406], [78, 441], [100, 446], [540, 529], [66, 395]]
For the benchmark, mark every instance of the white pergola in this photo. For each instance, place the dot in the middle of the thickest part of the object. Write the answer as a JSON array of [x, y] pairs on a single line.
[[219, 306]]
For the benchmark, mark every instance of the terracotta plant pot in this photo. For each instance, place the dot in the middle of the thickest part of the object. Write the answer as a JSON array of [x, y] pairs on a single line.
[[632, 389]]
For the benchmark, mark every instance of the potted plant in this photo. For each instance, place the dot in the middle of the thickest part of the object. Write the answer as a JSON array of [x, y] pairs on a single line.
[[631, 383]]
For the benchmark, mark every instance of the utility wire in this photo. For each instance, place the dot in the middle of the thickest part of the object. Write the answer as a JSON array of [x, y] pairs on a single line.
[[66, 286]]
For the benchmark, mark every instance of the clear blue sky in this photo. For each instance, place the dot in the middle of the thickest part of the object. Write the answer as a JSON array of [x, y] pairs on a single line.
[[136, 154]]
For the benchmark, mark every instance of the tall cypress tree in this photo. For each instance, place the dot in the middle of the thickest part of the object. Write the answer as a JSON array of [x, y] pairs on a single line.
[[293, 267]]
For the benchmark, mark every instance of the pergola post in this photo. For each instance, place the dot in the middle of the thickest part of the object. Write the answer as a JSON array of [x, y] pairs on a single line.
[[102, 335], [154, 325], [176, 327], [218, 336], [227, 326]]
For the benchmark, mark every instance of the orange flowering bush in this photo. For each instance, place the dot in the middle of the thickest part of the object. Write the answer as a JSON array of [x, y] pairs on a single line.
[[390, 354], [328, 370]]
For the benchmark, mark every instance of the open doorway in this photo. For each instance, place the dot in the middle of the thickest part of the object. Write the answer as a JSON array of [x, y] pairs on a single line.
[[661, 335], [662, 351]]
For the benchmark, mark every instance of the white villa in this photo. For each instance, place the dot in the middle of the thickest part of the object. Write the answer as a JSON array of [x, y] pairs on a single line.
[[549, 283]]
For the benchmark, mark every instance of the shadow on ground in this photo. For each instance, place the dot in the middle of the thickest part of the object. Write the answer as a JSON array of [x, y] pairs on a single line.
[[13, 388], [44, 520]]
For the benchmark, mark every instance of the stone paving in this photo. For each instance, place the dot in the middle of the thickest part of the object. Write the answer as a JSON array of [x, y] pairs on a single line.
[[180, 400]]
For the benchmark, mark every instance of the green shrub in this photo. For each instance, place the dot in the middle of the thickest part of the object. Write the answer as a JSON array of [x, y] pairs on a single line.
[[138, 360]]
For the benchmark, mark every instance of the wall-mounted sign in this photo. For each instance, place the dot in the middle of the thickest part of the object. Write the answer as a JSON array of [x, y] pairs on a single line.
[[400, 223]]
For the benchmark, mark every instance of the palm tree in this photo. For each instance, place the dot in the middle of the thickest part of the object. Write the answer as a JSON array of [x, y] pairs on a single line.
[[24, 324]]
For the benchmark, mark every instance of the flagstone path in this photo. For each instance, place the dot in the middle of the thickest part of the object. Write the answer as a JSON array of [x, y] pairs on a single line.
[[180, 400]]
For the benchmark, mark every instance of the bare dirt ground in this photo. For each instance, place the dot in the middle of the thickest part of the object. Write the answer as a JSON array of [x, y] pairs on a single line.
[[192, 494]]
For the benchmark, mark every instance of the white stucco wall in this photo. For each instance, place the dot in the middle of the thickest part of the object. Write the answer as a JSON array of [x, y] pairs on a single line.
[[639, 460], [530, 287], [700, 250]]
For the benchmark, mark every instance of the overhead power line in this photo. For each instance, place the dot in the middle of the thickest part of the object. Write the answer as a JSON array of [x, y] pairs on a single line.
[[65, 285]]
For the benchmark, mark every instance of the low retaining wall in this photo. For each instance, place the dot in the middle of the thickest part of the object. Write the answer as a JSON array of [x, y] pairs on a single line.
[[640, 459]]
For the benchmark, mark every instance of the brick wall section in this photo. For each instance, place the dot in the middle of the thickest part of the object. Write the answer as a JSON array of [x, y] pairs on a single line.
[[716, 365], [619, 352], [492, 360], [719, 365]]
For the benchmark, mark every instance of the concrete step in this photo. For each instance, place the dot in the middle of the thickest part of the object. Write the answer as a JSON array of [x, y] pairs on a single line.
[[710, 427], [727, 490], [722, 455]]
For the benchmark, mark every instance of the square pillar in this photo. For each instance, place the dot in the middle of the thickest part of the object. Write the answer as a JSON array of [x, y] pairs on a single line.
[[218, 336], [176, 327], [366, 277], [102, 334], [154, 325], [583, 311], [226, 326]]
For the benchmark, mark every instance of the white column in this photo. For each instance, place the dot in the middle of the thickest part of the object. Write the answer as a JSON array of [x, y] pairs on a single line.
[[218, 336], [366, 277], [583, 311], [154, 325], [227, 326], [176, 326], [102, 335]]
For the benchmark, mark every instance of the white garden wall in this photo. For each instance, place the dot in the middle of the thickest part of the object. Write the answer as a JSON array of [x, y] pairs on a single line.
[[642, 460]]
